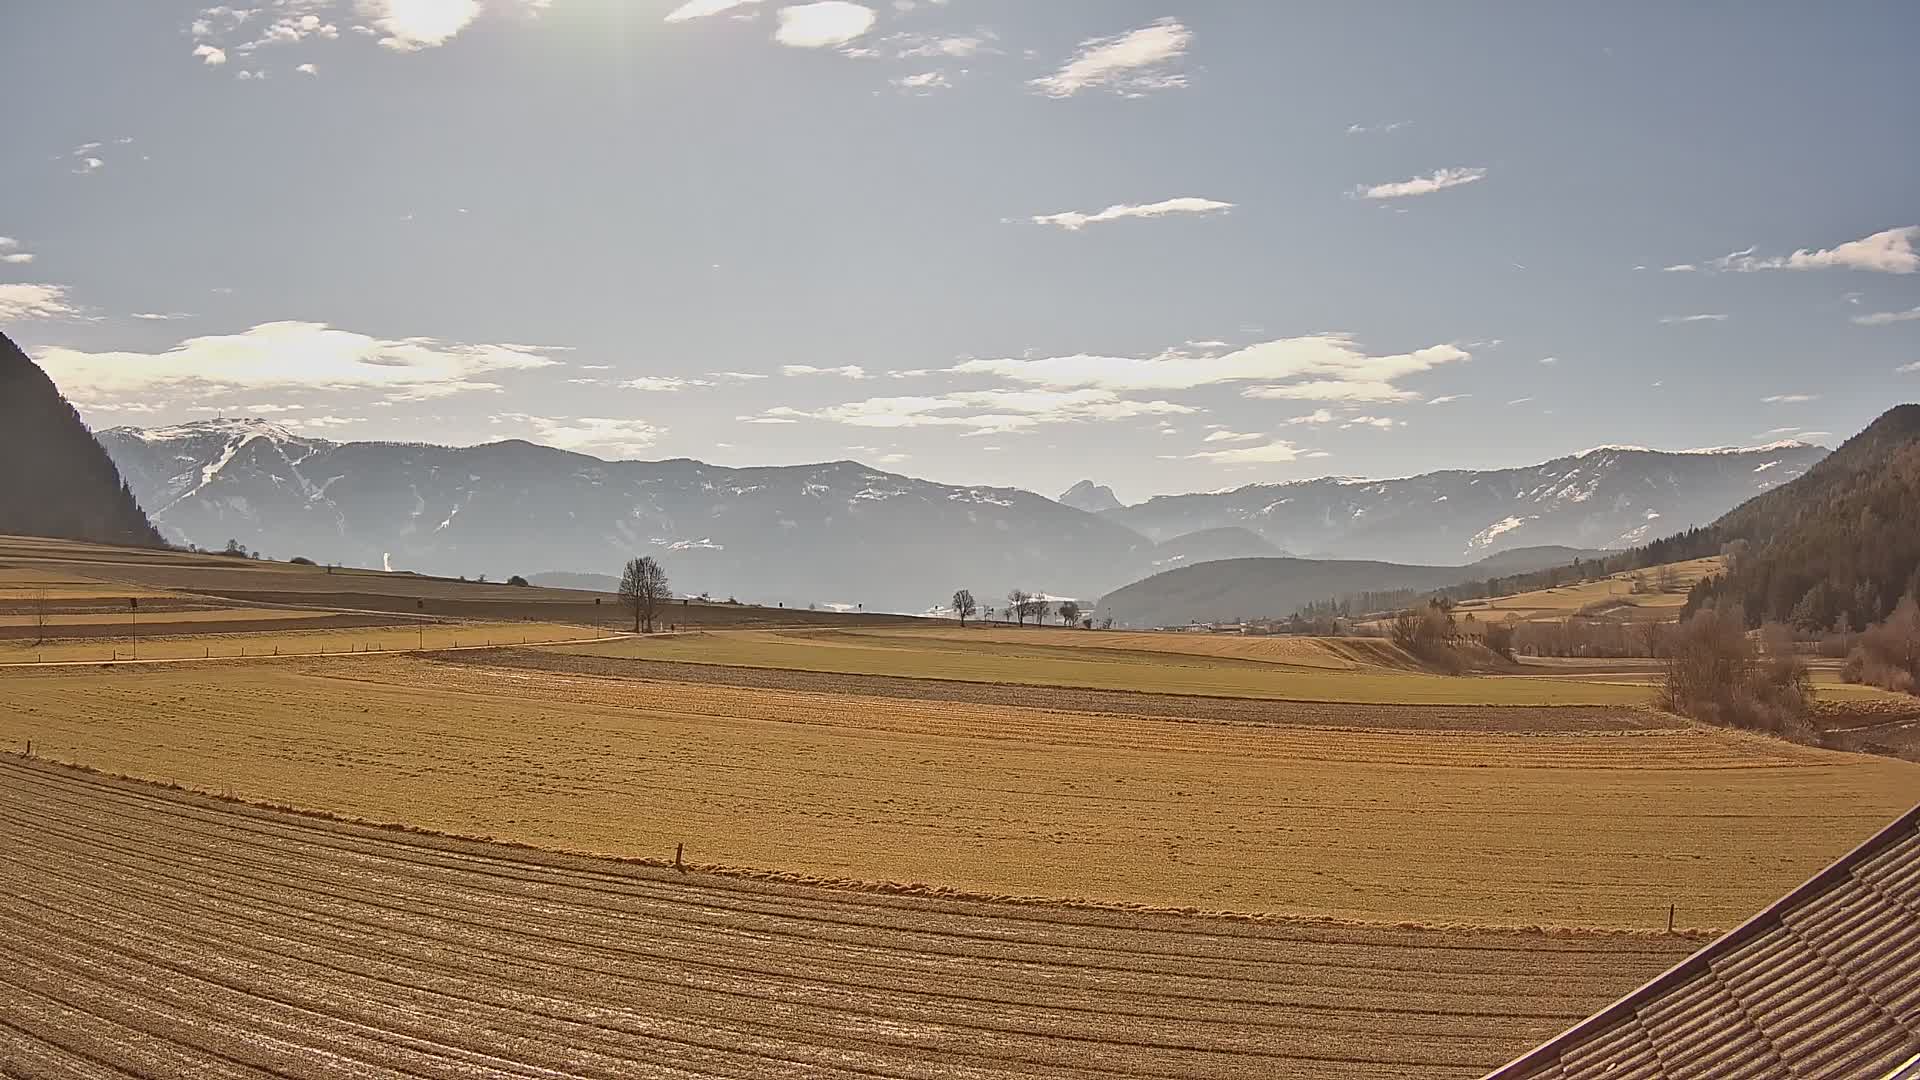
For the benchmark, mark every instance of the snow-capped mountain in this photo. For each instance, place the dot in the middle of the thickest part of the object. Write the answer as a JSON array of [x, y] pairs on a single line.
[[1606, 497], [838, 532], [842, 532], [1088, 496]]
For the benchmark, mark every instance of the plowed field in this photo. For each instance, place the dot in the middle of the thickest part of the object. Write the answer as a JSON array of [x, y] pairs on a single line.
[[161, 934], [1512, 828]]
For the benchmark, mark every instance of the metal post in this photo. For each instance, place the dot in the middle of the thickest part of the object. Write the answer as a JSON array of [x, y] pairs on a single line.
[[1669, 918]]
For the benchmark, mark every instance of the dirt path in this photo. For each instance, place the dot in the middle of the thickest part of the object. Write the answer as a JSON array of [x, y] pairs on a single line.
[[154, 933]]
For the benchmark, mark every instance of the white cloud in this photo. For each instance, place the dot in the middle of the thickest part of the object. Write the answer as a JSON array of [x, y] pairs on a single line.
[[1278, 452], [1889, 252], [850, 371], [292, 355], [87, 164], [1520, 401], [1130, 64], [1368, 129], [1788, 399], [1549, 360], [1886, 318], [250, 76], [1908, 369], [587, 434], [1670, 319], [412, 25], [1231, 436], [1334, 366], [1441, 180], [925, 82], [1679, 268], [737, 376], [1382, 422], [308, 69], [1317, 416], [823, 24], [19, 302], [1444, 399], [1074, 220], [664, 384], [980, 411], [700, 9], [10, 252], [210, 55], [161, 316]]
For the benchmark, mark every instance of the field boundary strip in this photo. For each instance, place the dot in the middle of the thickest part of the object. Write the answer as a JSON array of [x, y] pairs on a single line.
[[298, 656]]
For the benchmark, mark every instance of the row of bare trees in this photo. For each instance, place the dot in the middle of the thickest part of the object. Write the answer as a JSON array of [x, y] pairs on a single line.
[[1021, 606]]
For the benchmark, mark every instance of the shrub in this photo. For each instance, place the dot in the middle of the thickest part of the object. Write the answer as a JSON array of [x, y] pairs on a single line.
[[517, 580], [1715, 673], [1888, 653], [301, 560]]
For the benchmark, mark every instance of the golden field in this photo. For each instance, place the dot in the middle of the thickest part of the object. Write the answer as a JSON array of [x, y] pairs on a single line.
[[1374, 824]]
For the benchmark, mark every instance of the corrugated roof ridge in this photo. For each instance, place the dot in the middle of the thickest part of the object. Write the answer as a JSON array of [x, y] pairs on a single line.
[[1896, 834]]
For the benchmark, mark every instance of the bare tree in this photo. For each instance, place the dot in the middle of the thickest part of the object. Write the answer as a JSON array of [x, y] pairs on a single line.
[[643, 588], [1017, 601], [1036, 608], [964, 605], [1069, 611]]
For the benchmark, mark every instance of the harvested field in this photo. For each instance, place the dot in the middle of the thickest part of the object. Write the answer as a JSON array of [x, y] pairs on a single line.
[[1171, 707], [163, 934], [1381, 825], [325, 633], [1105, 662]]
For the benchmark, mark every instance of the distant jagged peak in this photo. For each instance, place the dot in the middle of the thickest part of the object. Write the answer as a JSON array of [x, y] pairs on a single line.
[[1091, 497], [227, 426], [1702, 451]]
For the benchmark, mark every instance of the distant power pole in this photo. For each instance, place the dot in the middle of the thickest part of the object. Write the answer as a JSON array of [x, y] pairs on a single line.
[[133, 611]]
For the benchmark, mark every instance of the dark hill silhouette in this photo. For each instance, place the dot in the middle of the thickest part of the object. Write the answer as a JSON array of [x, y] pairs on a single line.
[[55, 480]]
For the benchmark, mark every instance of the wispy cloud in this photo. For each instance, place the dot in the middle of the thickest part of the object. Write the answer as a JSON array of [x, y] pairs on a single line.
[[1332, 367], [1693, 318], [161, 316], [667, 384], [981, 412], [1441, 180], [21, 302], [823, 25], [848, 371], [1908, 369], [1679, 268], [1074, 220], [308, 69], [210, 55], [10, 252], [1788, 399], [1371, 129], [1130, 64], [1887, 318], [1231, 436], [1445, 399], [1277, 452], [292, 355], [587, 434], [1888, 252], [700, 9], [931, 46]]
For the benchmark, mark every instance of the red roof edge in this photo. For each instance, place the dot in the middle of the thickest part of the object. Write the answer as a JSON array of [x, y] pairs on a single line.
[[1693, 965]]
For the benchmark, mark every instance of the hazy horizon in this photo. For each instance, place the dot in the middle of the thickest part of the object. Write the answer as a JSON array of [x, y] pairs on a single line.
[[1174, 247]]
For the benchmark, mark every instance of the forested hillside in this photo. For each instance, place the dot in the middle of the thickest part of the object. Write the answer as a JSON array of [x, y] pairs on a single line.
[[1840, 544], [55, 480]]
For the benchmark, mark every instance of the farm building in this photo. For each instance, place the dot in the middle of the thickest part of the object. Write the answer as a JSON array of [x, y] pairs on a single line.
[[1825, 982]]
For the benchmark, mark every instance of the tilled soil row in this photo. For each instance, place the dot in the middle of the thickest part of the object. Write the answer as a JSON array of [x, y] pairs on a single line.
[[152, 932], [1477, 718]]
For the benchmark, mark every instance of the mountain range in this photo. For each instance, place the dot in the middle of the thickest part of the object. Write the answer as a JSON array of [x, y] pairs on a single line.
[[845, 533]]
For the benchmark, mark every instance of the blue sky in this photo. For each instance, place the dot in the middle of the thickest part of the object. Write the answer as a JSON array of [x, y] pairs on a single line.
[[1169, 246]]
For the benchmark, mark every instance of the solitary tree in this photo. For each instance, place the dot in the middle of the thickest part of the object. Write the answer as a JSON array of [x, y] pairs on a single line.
[[1069, 612], [964, 605], [643, 588], [1017, 602]]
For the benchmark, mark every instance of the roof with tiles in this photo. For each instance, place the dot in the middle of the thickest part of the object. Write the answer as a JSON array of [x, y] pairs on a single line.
[[1824, 983]]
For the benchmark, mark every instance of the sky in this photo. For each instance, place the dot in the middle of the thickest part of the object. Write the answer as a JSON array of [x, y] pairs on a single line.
[[1169, 246]]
